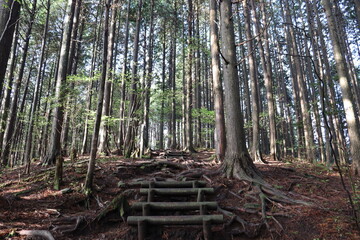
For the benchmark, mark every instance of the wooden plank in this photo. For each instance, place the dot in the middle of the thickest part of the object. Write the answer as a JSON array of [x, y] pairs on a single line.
[[174, 205], [169, 184], [177, 191], [176, 220]]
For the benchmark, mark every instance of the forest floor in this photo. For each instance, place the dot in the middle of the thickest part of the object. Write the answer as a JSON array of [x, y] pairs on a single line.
[[29, 201]]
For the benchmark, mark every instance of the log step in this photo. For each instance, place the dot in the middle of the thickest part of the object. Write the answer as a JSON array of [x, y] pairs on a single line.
[[169, 184], [174, 205], [176, 220], [177, 191]]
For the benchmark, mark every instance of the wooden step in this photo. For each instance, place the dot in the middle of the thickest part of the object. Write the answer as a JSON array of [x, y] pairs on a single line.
[[176, 220], [169, 184], [174, 205], [177, 191]]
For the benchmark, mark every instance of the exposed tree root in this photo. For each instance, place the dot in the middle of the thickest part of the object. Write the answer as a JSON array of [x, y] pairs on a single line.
[[119, 203], [261, 192], [251, 230], [198, 173], [155, 164], [81, 223], [37, 233], [256, 181]]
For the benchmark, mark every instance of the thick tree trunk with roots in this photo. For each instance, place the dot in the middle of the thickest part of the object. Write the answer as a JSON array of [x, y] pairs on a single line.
[[237, 161]]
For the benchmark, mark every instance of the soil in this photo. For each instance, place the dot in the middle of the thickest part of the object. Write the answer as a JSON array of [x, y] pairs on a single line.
[[28, 202]]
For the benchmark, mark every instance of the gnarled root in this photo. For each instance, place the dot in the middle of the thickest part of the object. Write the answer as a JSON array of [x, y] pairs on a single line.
[[81, 222], [118, 203]]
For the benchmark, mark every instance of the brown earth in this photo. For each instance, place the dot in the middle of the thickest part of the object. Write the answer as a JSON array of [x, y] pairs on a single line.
[[28, 202]]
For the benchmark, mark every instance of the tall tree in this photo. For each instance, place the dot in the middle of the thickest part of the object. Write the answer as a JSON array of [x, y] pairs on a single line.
[[10, 128], [299, 84], [264, 50], [55, 145], [217, 84], [255, 145], [34, 105], [7, 93], [129, 144], [172, 79], [9, 15], [124, 78], [189, 80], [148, 79], [237, 161], [94, 141], [108, 85], [347, 96]]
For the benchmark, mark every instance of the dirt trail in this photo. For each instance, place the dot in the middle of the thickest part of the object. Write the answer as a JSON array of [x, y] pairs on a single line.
[[28, 202]]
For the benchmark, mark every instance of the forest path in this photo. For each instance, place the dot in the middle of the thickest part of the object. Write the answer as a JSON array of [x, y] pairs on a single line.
[[177, 203], [28, 202]]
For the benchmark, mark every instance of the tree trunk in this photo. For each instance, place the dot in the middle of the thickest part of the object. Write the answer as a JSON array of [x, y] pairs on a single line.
[[95, 43], [189, 84], [10, 128], [197, 89], [148, 79], [103, 135], [29, 139], [55, 145], [299, 84], [267, 68], [123, 80], [172, 79], [162, 104], [94, 141], [347, 97], [237, 161], [71, 70], [217, 84], [7, 96], [129, 144], [9, 15], [255, 145]]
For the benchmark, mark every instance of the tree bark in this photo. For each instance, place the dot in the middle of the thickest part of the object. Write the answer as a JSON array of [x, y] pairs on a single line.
[[148, 80], [347, 96], [299, 84], [55, 145], [90, 90], [217, 84], [10, 128], [34, 105], [7, 96], [189, 81], [9, 15], [129, 144], [94, 141], [237, 161], [103, 135], [123, 80], [172, 79], [255, 145]]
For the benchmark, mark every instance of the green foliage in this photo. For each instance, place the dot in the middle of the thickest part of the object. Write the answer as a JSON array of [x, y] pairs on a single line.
[[207, 116]]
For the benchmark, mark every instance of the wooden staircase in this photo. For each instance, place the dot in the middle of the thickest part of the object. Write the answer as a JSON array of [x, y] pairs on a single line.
[[155, 192]]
